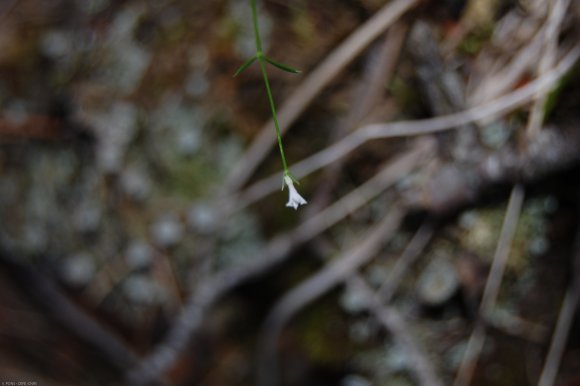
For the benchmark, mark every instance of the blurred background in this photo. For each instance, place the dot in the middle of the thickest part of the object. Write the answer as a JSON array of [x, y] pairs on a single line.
[[144, 238]]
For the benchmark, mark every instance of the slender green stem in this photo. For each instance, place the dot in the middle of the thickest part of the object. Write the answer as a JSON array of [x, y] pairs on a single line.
[[261, 60], [256, 27], [274, 115]]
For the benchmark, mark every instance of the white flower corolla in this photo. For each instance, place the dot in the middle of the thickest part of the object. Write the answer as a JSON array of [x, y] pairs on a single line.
[[295, 199]]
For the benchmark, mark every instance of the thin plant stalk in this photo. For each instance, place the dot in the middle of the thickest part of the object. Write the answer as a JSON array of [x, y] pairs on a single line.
[[295, 199], [274, 116], [261, 59]]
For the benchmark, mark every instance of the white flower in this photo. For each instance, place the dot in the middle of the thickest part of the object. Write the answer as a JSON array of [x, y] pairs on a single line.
[[295, 199]]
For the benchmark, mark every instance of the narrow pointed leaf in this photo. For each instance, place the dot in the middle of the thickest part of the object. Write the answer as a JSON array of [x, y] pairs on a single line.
[[281, 66], [247, 64]]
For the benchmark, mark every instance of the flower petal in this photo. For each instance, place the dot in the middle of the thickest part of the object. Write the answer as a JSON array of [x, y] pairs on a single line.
[[294, 199]]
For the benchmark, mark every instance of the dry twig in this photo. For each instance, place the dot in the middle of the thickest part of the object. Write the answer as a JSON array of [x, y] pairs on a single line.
[[560, 337], [547, 60], [490, 294], [408, 257], [379, 71]]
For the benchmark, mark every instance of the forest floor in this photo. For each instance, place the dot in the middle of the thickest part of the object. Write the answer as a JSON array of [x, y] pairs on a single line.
[[144, 239]]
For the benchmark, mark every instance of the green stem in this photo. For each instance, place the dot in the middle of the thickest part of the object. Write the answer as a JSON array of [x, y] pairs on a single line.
[[261, 60], [256, 27], [274, 115]]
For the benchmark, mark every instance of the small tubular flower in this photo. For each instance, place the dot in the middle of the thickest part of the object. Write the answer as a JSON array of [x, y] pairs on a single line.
[[295, 199]]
